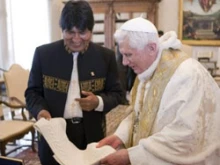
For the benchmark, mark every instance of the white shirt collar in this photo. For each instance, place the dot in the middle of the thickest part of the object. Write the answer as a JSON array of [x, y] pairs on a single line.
[[75, 53]]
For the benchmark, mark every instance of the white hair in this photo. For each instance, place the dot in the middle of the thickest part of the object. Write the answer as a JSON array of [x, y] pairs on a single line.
[[137, 40]]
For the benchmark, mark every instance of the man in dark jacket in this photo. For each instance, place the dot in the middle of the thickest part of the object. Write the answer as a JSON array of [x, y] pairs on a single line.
[[75, 79]]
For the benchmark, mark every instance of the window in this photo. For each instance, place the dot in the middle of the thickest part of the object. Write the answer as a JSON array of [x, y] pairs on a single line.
[[28, 27]]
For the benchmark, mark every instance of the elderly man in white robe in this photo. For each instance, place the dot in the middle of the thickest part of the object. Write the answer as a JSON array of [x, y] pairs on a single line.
[[175, 102]]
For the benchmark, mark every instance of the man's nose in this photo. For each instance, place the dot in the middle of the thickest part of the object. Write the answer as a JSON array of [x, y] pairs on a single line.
[[76, 36], [125, 61]]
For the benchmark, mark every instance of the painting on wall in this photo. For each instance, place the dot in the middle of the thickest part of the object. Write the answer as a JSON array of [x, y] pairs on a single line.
[[199, 22]]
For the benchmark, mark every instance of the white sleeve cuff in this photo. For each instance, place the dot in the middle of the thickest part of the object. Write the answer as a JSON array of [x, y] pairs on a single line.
[[100, 105], [141, 156]]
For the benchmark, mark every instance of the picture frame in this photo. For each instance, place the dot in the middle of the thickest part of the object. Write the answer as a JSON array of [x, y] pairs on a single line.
[[199, 22]]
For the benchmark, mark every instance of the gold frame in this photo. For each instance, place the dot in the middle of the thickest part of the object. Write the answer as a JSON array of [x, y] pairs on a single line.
[[199, 42]]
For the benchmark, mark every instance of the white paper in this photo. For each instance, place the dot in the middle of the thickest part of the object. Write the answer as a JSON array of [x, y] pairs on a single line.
[[65, 152]]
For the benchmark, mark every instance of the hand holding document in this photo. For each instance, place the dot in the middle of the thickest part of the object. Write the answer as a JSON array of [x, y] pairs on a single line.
[[65, 152]]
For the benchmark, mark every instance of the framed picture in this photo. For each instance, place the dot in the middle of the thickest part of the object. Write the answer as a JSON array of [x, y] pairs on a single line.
[[199, 22]]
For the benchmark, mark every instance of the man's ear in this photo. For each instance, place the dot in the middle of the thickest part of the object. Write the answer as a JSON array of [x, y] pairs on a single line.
[[151, 48]]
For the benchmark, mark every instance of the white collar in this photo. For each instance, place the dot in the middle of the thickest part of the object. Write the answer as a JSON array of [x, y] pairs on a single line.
[[75, 53]]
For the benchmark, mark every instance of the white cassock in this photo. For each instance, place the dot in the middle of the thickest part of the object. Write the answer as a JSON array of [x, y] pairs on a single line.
[[186, 130]]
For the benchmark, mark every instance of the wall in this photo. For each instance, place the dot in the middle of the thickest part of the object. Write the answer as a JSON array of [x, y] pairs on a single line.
[[168, 15]]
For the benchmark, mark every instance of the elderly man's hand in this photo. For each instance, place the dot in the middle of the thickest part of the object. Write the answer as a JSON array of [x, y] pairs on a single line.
[[113, 141], [88, 103]]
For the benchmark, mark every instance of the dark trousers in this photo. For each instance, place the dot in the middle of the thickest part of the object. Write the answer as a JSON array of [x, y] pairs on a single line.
[[75, 133]]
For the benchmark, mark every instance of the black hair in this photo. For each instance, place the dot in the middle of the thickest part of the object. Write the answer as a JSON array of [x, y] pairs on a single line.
[[77, 14]]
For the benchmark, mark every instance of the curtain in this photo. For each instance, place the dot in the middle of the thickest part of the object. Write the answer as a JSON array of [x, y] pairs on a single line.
[[6, 48], [24, 25]]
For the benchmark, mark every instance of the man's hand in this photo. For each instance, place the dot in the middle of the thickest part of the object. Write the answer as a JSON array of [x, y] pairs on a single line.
[[89, 102], [44, 114], [113, 141], [117, 158]]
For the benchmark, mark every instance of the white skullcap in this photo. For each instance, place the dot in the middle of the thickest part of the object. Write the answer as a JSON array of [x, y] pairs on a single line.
[[139, 25]]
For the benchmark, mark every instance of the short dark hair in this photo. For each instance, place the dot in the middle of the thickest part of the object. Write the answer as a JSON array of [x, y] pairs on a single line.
[[77, 14]]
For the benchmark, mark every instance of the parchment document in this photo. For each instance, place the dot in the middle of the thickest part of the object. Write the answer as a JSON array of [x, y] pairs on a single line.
[[65, 152]]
